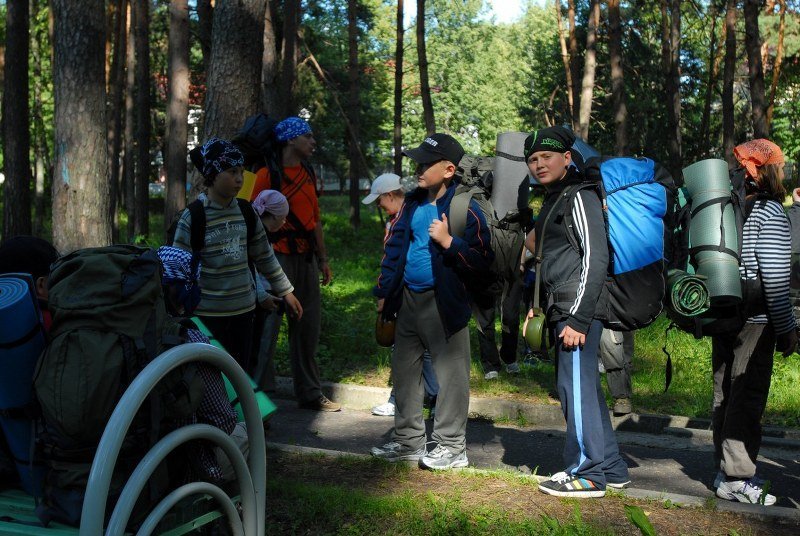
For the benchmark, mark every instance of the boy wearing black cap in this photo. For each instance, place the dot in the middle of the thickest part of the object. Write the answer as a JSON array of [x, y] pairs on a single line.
[[420, 286], [573, 279]]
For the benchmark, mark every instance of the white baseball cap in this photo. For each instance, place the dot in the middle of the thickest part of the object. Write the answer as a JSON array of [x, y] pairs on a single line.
[[383, 184]]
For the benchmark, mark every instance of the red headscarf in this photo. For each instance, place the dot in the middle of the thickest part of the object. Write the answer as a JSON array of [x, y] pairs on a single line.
[[756, 153]]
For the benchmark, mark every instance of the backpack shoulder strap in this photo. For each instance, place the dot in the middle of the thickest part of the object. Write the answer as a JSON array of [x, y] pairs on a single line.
[[198, 232], [249, 217], [570, 193], [459, 205]]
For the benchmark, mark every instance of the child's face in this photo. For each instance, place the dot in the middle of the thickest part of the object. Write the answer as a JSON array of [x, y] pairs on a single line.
[[228, 183], [272, 222], [431, 176], [549, 166], [390, 203]]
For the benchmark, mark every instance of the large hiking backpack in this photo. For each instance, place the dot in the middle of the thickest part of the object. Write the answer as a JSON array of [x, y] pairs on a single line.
[[638, 199], [710, 215], [485, 180], [109, 322]]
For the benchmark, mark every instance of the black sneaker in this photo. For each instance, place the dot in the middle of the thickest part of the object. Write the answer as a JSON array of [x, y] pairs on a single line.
[[563, 485]]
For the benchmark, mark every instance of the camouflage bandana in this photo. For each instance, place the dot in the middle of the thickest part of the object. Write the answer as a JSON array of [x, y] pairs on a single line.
[[555, 139], [218, 156]]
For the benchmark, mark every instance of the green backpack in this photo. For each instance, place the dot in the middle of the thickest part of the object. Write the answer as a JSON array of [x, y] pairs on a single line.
[[109, 322]]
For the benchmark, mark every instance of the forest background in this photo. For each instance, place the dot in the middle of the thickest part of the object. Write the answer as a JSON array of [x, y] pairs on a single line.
[[114, 92]]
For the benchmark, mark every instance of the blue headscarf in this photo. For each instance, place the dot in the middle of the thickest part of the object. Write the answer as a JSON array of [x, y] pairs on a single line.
[[181, 271], [290, 128]]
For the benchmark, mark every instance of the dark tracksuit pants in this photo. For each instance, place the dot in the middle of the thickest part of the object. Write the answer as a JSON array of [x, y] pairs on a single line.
[[419, 326], [234, 333], [509, 318], [591, 449], [742, 367]]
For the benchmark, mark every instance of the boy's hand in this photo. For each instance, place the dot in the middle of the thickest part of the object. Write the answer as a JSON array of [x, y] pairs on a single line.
[[787, 342], [380, 305], [439, 232], [327, 273], [796, 195], [571, 338], [293, 306], [270, 303]]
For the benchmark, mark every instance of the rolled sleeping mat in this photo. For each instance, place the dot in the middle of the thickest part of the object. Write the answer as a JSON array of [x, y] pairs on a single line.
[[511, 177], [687, 295], [265, 406], [21, 342], [712, 232]]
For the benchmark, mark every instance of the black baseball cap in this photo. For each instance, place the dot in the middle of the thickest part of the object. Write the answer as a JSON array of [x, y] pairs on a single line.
[[436, 147]]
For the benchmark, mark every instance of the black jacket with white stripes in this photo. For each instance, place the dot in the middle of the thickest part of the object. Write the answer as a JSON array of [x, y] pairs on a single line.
[[573, 281]]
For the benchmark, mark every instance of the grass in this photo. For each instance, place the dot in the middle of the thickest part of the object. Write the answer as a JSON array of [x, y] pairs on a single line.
[[311, 494], [348, 352]]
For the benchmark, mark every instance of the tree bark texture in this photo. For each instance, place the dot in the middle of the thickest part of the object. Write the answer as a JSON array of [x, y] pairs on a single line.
[[269, 67], [574, 63], [234, 75], [755, 69], [291, 23], [80, 186], [142, 30], [117, 104], [177, 109], [354, 107], [41, 48], [398, 91], [425, 87], [565, 58], [16, 121], [589, 67], [705, 140], [670, 59], [129, 159], [205, 19], [620, 110], [776, 69], [727, 82]]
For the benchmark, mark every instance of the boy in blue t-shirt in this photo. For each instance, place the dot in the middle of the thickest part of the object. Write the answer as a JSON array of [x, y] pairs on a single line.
[[420, 285]]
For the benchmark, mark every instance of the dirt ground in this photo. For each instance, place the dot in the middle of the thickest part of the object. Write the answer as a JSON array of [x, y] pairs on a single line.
[[520, 498]]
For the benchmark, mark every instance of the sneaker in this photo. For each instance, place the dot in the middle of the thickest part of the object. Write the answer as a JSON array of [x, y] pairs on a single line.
[[395, 452], [512, 368], [746, 491], [442, 458], [320, 404], [491, 375], [622, 406], [618, 485], [563, 485], [384, 410]]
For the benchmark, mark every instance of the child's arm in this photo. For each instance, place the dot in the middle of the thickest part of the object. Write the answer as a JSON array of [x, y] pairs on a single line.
[[392, 249], [183, 232], [261, 253]]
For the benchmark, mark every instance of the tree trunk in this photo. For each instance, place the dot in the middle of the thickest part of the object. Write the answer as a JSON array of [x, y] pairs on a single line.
[[16, 122], [234, 75], [205, 19], [589, 66], [574, 63], [620, 110], [141, 25], [40, 49], [565, 58], [398, 91], [705, 141], [670, 58], [270, 103], [177, 109], [354, 107], [727, 83], [129, 166], [291, 22], [776, 70], [116, 108], [425, 87], [755, 70], [80, 189]]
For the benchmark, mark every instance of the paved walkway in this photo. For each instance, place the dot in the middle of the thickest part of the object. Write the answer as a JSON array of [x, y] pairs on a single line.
[[675, 463]]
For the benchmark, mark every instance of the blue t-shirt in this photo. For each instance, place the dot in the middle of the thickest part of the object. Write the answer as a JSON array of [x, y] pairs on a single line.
[[418, 274]]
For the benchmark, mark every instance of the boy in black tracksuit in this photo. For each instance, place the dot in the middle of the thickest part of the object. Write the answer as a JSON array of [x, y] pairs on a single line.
[[421, 284], [573, 281]]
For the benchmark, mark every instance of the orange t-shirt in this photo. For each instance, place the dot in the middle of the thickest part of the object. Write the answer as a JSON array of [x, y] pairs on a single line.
[[300, 189]]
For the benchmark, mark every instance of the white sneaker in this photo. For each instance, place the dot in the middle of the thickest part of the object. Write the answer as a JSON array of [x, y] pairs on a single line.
[[384, 410], [746, 491], [442, 458], [491, 375], [512, 368]]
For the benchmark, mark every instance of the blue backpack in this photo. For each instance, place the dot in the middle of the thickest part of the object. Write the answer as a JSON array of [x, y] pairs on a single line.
[[638, 204]]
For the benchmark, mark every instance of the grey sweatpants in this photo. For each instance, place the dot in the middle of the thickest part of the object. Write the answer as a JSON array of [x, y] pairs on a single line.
[[303, 334], [419, 326], [616, 353], [742, 367]]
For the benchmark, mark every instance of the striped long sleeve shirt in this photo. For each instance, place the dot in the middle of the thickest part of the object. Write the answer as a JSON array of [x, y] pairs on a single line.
[[766, 252], [226, 284]]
